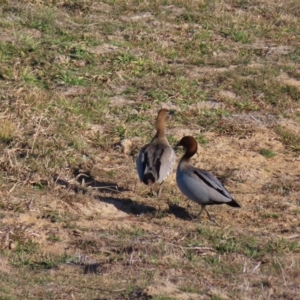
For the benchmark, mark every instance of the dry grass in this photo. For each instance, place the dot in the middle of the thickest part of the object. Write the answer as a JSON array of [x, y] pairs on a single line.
[[79, 77]]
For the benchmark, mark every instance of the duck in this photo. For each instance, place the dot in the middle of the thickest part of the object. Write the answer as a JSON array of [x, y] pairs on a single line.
[[199, 185], [156, 160]]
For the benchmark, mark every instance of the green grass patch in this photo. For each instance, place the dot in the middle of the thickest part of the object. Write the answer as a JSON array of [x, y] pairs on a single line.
[[288, 138], [268, 153]]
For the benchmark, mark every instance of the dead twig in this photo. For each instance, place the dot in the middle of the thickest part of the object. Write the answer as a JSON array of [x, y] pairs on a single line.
[[282, 271], [36, 134], [256, 267]]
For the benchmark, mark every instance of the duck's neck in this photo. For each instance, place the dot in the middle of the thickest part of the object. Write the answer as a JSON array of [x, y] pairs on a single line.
[[160, 128], [190, 152]]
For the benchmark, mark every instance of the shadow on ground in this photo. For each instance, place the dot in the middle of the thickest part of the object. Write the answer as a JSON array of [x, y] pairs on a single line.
[[179, 212], [128, 206], [92, 268], [85, 179]]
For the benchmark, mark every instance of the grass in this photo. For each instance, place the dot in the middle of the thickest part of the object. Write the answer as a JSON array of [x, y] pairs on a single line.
[[7, 131], [78, 77], [268, 153], [201, 139], [289, 137]]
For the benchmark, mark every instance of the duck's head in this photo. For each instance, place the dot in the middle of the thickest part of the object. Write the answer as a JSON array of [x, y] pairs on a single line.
[[190, 144], [162, 118], [164, 114]]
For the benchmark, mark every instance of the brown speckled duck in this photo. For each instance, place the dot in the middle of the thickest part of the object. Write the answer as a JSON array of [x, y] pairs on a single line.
[[156, 160]]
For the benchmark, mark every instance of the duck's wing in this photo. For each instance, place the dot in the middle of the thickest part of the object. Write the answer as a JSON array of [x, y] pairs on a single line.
[[167, 161], [142, 162], [215, 187], [212, 181]]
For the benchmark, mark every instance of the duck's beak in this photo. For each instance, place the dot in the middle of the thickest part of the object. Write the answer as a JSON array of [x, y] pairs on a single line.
[[171, 112], [177, 146]]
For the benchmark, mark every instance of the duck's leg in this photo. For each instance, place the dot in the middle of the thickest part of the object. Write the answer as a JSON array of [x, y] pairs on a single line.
[[199, 215], [160, 189], [152, 191], [209, 216]]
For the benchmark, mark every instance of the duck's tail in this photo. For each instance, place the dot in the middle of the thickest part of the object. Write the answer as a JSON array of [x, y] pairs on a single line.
[[233, 203], [149, 178]]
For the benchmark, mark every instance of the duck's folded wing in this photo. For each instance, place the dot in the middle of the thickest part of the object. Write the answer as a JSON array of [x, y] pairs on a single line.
[[167, 161], [149, 160], [141, 163], [154, 155], [212, 182]]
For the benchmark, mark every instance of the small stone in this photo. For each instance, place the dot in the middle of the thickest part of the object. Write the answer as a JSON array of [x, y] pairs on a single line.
[[79, 63], [12, 246], [61, 59], [134, 112], [126, 145]]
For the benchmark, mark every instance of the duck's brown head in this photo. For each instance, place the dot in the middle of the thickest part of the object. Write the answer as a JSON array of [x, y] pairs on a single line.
[[190, 144]]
